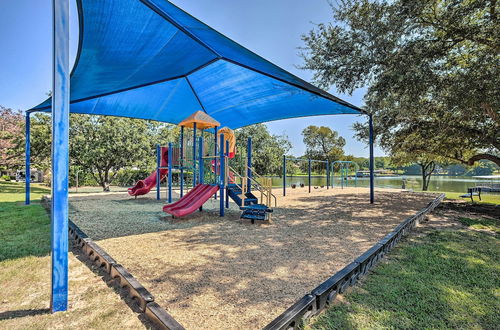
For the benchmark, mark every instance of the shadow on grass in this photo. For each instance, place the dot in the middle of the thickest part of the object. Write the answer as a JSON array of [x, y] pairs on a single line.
[[9, 187], [24, 231], [444, 280], [22, 313]]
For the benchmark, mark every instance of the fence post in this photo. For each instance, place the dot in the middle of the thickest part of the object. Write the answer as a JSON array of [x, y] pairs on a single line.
[[327, 175]]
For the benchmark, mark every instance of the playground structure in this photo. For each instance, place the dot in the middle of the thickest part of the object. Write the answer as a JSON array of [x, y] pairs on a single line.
[[142, 187], [210, 173], [344, 168], [195, 68]]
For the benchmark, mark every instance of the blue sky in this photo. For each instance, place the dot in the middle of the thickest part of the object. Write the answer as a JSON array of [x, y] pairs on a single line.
[[272, 29]]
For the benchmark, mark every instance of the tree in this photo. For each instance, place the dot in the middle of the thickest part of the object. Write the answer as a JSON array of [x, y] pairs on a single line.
[[323, 143], [268, 149], [104, 145], [432, 70], [11, 139], [427, 165]]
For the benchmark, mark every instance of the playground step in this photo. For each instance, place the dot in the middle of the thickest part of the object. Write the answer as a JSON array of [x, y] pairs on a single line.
[[255, 212], [235, 194]]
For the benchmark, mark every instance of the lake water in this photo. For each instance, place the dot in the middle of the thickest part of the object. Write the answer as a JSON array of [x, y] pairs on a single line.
[[437, 183]]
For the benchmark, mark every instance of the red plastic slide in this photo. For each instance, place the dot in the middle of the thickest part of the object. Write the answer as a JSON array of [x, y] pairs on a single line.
[[142, 187], [192, 201]]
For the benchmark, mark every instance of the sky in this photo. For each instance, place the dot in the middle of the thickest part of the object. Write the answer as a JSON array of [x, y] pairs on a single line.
[[272, 29]]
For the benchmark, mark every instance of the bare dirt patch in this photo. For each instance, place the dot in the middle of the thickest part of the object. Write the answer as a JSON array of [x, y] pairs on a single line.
[[223, 273]]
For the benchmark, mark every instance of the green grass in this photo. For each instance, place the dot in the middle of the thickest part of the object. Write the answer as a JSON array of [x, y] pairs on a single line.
[[24, 230], [447, 279], [482, 223], [485, 198]]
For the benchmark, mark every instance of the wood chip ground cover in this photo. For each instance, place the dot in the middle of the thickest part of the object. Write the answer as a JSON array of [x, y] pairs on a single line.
[[222, 273]]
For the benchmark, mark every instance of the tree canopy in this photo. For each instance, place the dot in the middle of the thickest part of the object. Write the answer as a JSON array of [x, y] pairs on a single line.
[[323, 143], [432, 69], [11, 138], [268, 149]]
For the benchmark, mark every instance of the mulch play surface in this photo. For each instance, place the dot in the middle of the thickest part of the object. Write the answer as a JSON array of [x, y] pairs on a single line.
[[222, 273]]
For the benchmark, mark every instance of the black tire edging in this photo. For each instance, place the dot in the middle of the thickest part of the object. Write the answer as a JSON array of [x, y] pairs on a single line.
[[325, 294]]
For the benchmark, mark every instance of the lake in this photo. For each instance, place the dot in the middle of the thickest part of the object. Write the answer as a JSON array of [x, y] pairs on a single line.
[[437, 183]]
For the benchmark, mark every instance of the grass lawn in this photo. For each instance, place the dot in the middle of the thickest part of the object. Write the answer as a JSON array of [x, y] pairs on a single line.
[[443, 279], [25, 274], [485, 198]]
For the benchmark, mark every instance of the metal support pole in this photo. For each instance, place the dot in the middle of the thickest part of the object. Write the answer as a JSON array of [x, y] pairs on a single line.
[[249, 164], [215, 157], [60, 155], [228, 177], [222, 171], [27, 172], [182, 162], [200, 160], [158, 165], [284, 175], [372, 177], [194, 155], [169, 174], [327, 175], [309, 174], [342, 175]]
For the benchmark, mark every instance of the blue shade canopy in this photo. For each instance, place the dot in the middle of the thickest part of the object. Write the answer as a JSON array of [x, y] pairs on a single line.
[[149, 59]]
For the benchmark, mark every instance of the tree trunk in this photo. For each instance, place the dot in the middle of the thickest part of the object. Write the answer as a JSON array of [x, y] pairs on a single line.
[[427, 170], [105, 183]]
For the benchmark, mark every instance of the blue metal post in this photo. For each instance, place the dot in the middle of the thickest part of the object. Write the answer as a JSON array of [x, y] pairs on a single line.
[[200, 160], [309, 174], [215, 157], [249, 163], [60, 155], [194, 155], [342, 174], [372, 177], [158, 165], [169, 174], [327, 174], [222, 183], [227, 193], [27, 173], [182, 162], [284, 175]]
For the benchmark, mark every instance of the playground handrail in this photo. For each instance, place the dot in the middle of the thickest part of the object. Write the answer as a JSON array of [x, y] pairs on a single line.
[[243, 183], [268, 187]]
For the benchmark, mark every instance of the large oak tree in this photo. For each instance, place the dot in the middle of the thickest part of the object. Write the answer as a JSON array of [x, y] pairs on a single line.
[[432, 68]]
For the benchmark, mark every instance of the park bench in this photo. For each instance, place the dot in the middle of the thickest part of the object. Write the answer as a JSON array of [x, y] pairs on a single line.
[[471, 192]]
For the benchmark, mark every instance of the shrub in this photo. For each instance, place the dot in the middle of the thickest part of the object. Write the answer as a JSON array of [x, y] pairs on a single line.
[[6, 177]]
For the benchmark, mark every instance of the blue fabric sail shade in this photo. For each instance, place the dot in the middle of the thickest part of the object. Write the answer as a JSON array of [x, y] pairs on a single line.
[[148, 59]]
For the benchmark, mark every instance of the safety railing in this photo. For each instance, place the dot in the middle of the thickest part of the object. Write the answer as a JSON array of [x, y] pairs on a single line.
[[264, 185], [243, 180]]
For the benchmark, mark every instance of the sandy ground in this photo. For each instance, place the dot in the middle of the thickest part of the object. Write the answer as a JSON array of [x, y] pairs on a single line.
[[223, 273]]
